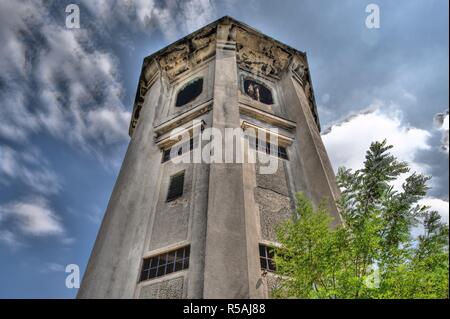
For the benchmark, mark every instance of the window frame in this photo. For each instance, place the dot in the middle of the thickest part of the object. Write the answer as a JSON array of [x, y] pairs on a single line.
[[266, 258], [174, 188], [151, 270]]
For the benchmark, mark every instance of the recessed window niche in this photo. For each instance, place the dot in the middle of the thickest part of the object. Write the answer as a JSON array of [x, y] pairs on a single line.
[[258, 91], [189, 92]]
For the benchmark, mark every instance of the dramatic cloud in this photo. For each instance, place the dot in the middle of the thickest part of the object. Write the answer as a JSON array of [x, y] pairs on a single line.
[[55, 80], [28, 167], [441, 123], [171, 17], [348, 140]]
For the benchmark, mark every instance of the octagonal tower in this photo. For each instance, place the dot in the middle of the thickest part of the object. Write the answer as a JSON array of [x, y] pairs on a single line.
[[204, 230]]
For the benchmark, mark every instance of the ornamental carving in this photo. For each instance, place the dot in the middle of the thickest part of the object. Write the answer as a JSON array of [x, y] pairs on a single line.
[[203, 46], [175, 61], [260, 55], [299, 68], [188, 54]]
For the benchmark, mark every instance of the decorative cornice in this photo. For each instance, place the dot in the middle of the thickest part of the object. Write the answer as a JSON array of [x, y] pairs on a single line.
[[267, 117], [192, 128], [282, 139], [182, 118]]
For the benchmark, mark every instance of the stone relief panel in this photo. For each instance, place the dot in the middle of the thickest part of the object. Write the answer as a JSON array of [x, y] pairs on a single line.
[[188, 54], [167, 289], [259, 55], [175, 61], [266, 58]]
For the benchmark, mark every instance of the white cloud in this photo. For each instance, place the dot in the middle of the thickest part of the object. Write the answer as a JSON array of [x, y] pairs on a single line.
[[29, 167], [173, 18], [102, 123], [54, 78], [437, 204], [348, 141], [33, 217], [434, 204]]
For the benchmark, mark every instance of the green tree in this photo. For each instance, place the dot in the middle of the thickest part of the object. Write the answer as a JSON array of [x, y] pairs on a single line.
[[372, 253]]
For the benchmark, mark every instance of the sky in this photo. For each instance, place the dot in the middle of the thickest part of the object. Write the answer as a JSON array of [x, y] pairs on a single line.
[[66, 97]]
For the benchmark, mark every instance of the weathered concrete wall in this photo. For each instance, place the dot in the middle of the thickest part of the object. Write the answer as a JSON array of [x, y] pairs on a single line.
[[182, 221], [310, 168], [113, 267], [171, 219], [172, 288]]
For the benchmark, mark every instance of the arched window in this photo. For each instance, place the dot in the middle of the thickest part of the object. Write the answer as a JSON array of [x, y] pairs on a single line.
[[189, 92], [258, 91]]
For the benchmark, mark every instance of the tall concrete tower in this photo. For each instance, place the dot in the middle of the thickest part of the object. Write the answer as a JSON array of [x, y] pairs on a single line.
[[204, 229]]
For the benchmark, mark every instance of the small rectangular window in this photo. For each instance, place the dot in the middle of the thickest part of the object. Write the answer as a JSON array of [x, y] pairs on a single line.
[[165, 263], [266, 258], [175, 186], [166, 155], [182, 148]]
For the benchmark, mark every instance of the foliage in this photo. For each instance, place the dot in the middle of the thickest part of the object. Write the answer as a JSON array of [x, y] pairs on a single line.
[[372, 253]]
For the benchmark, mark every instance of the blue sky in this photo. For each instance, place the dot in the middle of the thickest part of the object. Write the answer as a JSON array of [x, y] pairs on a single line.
[[66, 97]]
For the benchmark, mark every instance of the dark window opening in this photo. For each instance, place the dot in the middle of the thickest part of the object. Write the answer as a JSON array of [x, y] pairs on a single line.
[[189, 92], [166, 155], [175, 186], [269, 148], [282, 152], [166, 263], [189, 145], [266, 255], [258, 92]]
